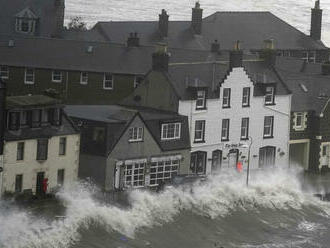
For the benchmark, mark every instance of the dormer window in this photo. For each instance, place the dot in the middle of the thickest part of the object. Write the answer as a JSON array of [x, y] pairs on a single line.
[[26, 22], [299, 121], [270, 95], [201, 99], [171, 131]]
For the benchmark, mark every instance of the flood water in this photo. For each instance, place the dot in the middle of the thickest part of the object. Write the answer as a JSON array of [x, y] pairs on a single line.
[[276, 210]]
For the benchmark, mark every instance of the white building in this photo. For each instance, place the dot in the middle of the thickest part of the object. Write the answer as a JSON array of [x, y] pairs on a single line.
[[40, 143], [251, 109]]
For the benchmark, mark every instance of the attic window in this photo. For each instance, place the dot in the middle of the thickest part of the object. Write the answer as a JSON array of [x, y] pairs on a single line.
[[26, 22], [304, 88]]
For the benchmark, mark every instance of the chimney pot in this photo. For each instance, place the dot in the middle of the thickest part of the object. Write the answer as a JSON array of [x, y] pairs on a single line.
[[163, 23]]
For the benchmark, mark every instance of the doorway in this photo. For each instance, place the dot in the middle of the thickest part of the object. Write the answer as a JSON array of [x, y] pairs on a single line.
[[40, 179], [216, 160], [233, 158], [267, 156]]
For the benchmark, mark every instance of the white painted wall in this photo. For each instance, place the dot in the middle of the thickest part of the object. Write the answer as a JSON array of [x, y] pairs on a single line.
[[29, 167], [214, 114]]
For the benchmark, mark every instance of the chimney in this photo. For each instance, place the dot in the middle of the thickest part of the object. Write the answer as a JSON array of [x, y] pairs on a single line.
[[2, 116], [215, 47], [326, 68], [196, 20], [236, 56], [163, 24], [316, 21], [133, 40], [59, 6], [269, 53], [160, 58]]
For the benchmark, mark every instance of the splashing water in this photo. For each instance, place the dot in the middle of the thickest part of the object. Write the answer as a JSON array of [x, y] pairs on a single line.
[[220, 197]]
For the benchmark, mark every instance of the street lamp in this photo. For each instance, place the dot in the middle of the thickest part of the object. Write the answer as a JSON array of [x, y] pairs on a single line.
[[248, 167]]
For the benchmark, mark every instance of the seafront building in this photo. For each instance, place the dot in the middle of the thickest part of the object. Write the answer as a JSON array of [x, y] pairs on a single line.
[[40, 142], [124, 147]]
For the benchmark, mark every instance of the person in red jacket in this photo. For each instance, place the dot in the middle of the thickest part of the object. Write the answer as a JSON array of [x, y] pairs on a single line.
[[45, 185]]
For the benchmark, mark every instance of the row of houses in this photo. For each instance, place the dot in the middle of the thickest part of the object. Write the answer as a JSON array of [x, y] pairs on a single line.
[[115, 106]]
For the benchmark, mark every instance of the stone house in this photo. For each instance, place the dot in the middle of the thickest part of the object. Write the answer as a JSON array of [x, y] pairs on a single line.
[[125, 147]]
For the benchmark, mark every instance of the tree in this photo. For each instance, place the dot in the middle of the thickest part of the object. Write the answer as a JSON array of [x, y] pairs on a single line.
[[77, 23]]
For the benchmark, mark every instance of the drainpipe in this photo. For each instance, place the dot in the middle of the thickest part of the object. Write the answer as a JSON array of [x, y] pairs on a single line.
[[2, 128]]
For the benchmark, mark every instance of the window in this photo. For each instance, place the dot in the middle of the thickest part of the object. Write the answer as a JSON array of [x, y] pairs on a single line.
[[20, 151], [138, 80], [171, 131], [201, 99], [134, 174], [62, 146], [14, 120], [60, 177], [268, 126], [25, 25], [198, 162], [57, 76], [4, 72], [199, 131], [29, 76], [226, 98], [246, 97], [269, 95], [108, 81], [299, 121], [245, 129], [42, 149], [18, 183], [36, 117], [309, 57], [135, 134], [55, 116], [225, 130], [163, 171], [84, 78], [98, 134]]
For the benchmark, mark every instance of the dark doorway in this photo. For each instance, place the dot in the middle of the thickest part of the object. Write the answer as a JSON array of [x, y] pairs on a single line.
[[216, 160], [198, 162], [40, 178], [233, 158], [267, 156]]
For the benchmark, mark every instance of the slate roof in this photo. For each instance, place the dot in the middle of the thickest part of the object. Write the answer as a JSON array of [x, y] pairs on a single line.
[[298, 77], [252, 28], [43, 9], [122, 115], [72, 55], [28, 101]]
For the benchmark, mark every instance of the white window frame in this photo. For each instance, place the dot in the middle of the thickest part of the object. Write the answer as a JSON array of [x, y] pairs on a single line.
[[136, 83], [60, 75], [309, 56], [63, 145], [200, 132], [225, 129], [83, 78], [31, 75], [130, 172], [303, 117], [270, 127], [135, 134], [176, 132], [226, 98], [246, 97], [271, 94], [31, 25], [201, 99], [163, 170], [245, 128], [107, 81], [4, 71]]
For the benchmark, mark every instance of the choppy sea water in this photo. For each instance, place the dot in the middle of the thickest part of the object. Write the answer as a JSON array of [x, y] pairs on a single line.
[[296, 13], [273, 211]]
